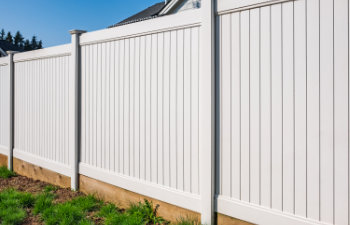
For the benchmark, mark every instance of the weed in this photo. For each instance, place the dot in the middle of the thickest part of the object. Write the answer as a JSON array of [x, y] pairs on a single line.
[[147, 212], [5, 173], [142, 213]]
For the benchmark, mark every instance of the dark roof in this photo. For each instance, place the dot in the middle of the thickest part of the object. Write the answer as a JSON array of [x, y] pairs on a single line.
[[149, 13], [6, 46]]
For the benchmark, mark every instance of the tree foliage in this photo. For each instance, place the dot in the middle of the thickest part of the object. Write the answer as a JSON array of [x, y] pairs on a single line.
[[9, 38], [2, 34], [19, 41]]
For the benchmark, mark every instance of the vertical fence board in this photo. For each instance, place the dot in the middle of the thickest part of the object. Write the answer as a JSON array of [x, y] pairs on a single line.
[[245, 103], [255, 106], [300, 102], [173, 99], [276, 73], [187, 111], [313, 109], [236, 104], [166, 108], [288, 150], [265, 117], [341, 112], [326, 109], [225, 109]]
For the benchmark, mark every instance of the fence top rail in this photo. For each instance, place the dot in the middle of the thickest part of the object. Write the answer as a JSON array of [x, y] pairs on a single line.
[[229, 6], [4, 61], [56, 51], [189, 18]]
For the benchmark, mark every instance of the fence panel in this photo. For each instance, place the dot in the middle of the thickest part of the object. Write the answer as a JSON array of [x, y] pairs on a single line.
[[4, 106], [284, 111], [140, 108], [42, 112]]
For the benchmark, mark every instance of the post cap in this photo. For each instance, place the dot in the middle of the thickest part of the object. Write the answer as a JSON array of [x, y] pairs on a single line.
[[11, 52], [77, 32]]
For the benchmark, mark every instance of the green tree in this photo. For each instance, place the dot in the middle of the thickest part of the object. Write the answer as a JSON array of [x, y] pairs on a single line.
[[18, 39], [40, 44], [2, 34], [34, 43], [9, 37], [27, 46]]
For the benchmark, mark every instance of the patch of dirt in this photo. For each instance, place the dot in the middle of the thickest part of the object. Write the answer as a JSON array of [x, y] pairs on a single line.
[[32, 219], [24, 184], [97, 220], [65, 194]]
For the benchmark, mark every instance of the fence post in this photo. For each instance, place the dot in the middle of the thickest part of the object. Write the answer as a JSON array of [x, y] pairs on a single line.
[[12, 105], [207, 116], [76, 85]]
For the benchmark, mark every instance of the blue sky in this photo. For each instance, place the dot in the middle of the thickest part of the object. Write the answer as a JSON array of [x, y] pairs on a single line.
[[51, 20]]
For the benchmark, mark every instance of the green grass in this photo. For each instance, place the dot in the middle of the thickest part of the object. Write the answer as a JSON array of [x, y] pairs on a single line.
[[68, 213], [5, 173], [43, 202], [138, 214], [64, 214], [87, 203], [50, 188], [107, 210], [147, 211], [12, 206]]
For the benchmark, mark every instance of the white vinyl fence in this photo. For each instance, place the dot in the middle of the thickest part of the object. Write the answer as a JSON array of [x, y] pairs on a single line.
[[4, 106], [140, 108], [42, 110], [284, 112], [142, 97]]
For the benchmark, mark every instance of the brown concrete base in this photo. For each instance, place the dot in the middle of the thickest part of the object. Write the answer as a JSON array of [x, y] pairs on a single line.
[[38, 173], [123, 198], [226, 220], [3, 160]]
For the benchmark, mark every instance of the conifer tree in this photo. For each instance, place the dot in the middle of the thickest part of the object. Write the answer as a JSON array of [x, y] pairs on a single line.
[[33, 43], [9, 37], [27, 46], [2, 35], [18, 39], [40, 45]]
